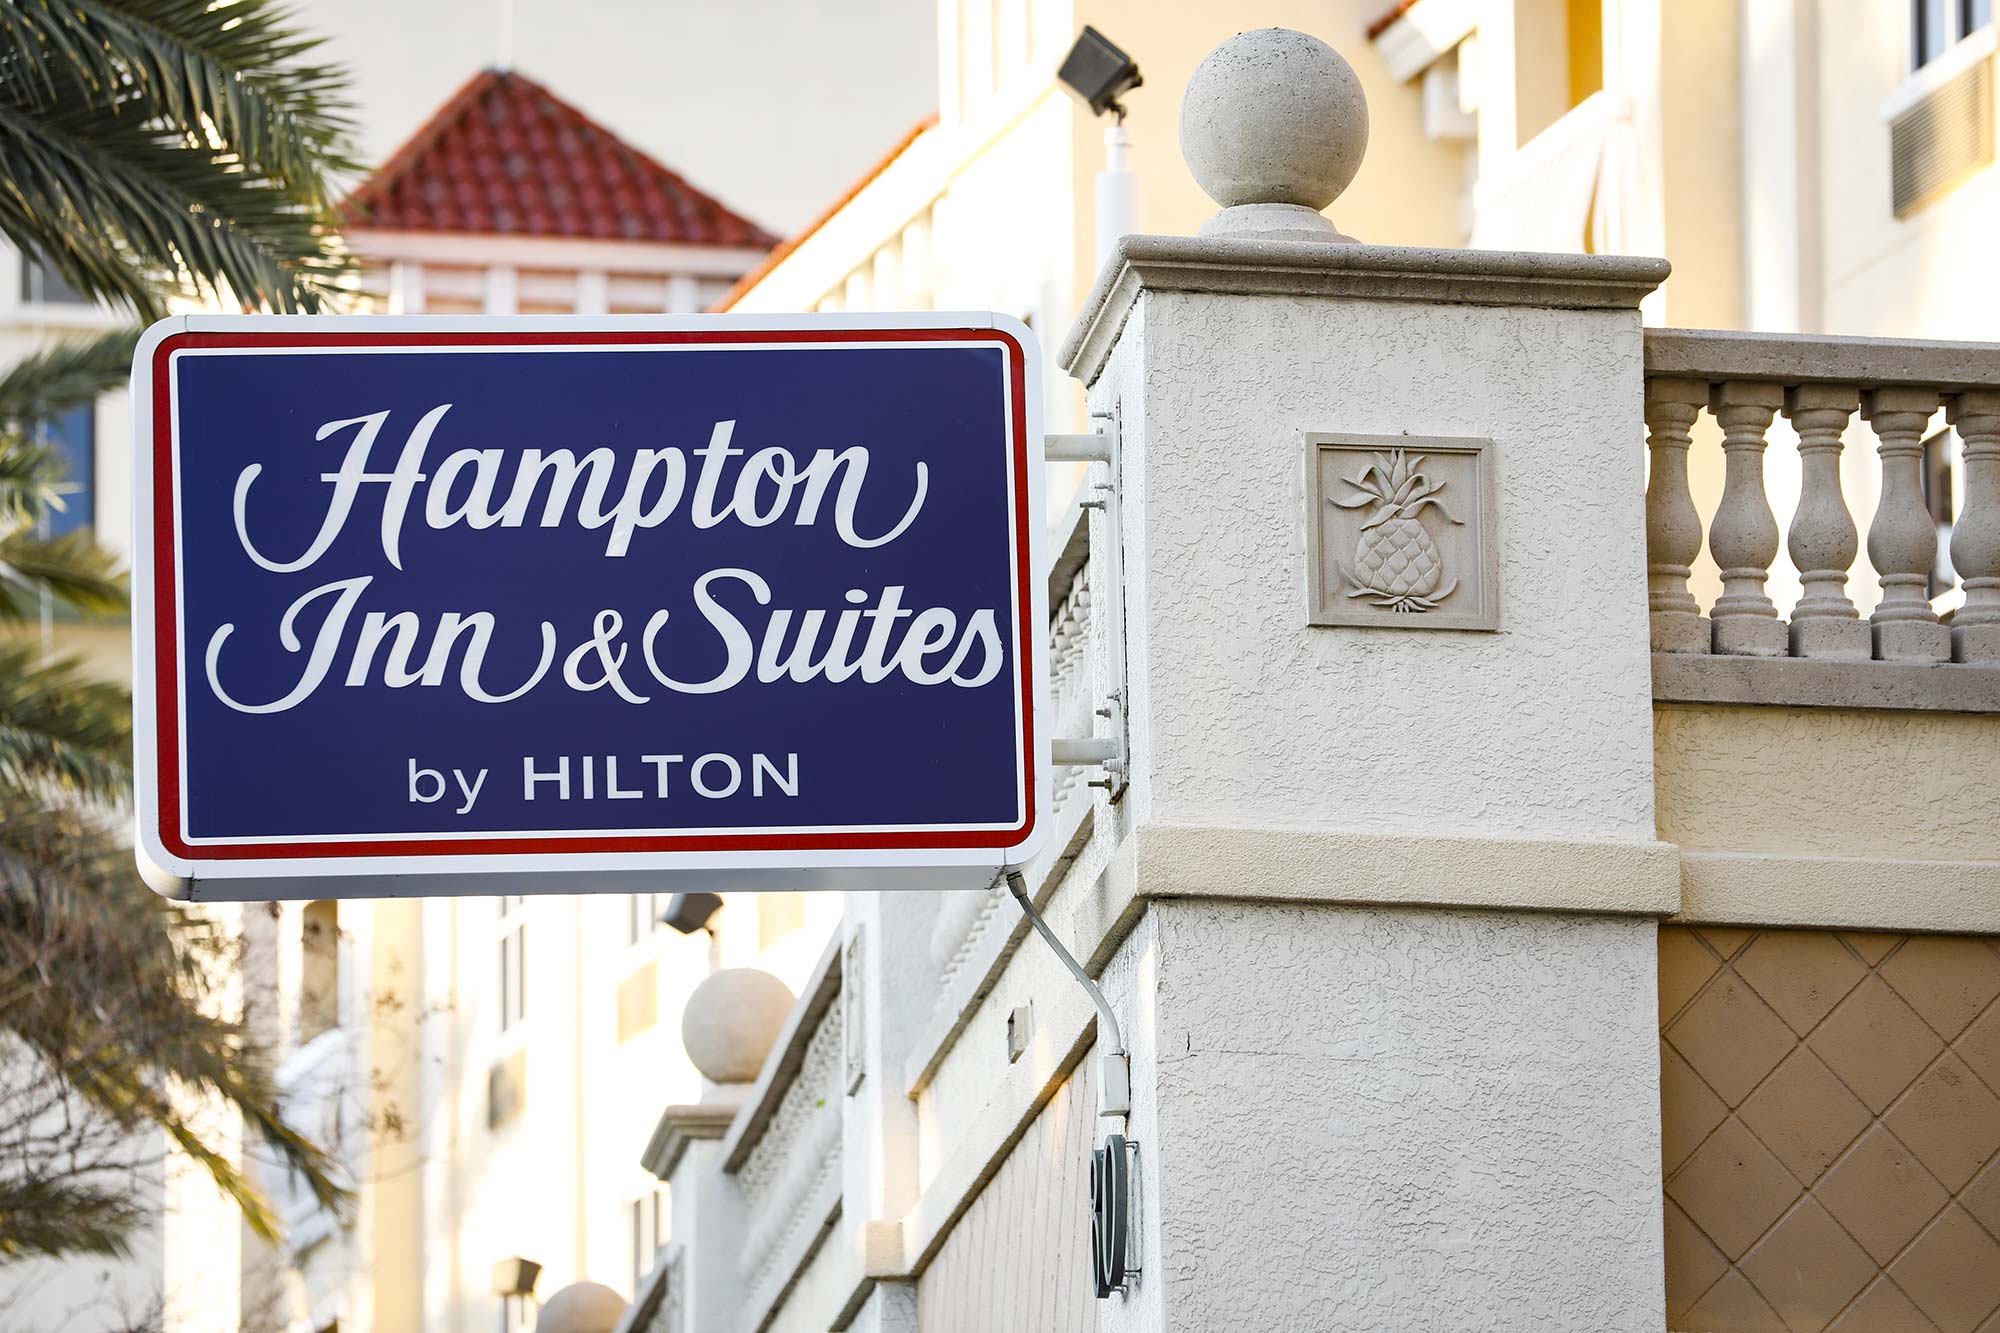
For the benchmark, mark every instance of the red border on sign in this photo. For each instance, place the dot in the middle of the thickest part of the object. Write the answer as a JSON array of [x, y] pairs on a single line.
[[166, 621]]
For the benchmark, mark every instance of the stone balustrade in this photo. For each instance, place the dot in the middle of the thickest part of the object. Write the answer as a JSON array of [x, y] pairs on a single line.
[[1822, 386], [783, 1147]]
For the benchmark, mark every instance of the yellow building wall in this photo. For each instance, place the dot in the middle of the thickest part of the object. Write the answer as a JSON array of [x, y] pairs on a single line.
[[1700, 74], [1934, 274]]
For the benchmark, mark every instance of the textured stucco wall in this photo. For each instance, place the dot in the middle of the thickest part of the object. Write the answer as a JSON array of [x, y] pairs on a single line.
[[1541, 730], [1403, 1119], [1828, 782]]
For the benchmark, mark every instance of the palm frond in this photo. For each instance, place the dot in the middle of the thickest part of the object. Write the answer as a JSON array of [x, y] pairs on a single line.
[[54, 1218], [72, 568], [143, 151], [61, 376], [60, 731], [118, 1003], [239, 70]]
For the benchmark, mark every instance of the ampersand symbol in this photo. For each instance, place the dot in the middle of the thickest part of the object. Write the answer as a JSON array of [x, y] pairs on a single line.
[[611, 654]]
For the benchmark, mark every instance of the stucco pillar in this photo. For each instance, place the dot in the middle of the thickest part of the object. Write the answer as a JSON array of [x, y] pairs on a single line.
[[708, 1225], [881, 935], [1392, 1001]]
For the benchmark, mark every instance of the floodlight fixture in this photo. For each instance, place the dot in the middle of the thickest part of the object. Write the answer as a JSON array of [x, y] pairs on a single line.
[[1098, 73], [515, 1276], [689, 912]]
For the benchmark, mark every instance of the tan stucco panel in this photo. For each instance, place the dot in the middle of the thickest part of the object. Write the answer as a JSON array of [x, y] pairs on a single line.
[[1828, 782]]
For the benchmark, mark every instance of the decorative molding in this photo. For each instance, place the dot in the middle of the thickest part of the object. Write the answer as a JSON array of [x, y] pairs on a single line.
[[659, 1306], [1849, 893], [1801, 682], [1360, 272], [552, 252], [680, 1126], [1316, 866], [1402, 532]]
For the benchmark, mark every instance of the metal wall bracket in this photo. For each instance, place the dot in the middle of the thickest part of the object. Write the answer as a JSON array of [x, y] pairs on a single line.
[[1108, 749]]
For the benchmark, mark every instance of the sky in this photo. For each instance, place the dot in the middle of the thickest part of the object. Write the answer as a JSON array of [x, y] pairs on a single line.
[[772, 106]]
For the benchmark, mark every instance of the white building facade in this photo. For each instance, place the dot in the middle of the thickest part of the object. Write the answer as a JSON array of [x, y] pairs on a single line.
[[1524, 976]]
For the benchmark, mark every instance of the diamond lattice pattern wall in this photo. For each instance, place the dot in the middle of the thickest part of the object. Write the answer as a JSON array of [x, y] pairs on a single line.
[[1831, 1130]]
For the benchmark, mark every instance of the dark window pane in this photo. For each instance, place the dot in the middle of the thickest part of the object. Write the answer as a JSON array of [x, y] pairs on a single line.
[[1928, 34], [1975, 14], [73, 435], [39, 282]]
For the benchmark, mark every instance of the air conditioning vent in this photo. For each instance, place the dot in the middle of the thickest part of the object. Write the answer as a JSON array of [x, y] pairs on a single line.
[[1943, 138]]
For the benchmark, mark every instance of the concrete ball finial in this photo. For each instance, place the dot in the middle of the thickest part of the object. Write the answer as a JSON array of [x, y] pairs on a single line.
[[1274, 125], [731, 1021], [581, 1307]]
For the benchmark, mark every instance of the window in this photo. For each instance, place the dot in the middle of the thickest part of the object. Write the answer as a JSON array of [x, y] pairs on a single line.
[[73, 436], [643, 913], [513, 962], [40, 283], [319, 969], [1936, 24], [647, 1216]]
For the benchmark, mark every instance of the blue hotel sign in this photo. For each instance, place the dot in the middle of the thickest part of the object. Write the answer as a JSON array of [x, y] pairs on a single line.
[[438, 606]]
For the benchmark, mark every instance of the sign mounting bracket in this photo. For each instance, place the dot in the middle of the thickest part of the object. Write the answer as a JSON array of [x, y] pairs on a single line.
[[1099, 450]]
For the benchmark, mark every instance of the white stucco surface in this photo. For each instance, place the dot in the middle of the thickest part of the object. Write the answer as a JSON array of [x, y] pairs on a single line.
[[1403, 1119], [1248, 716]]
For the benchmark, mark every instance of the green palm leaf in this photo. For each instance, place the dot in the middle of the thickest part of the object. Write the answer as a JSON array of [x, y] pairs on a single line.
[[61, 732], [155, 146]]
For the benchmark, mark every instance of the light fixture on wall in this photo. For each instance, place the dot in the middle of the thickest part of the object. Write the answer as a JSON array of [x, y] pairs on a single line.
[[1097, 72], [515, 1276], [689, 912]]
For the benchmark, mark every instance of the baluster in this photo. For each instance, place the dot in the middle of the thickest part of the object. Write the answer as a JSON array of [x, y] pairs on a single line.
[[1744, 536], [1902, 541], [1975, 542], [1673, 527], [1823, 539]]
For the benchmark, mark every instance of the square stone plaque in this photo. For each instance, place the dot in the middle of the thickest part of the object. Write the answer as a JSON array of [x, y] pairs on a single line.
[[1401, 532]]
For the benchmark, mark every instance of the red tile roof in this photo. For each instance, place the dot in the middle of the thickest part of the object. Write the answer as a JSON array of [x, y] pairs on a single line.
[[505, 156], [778, 256], [1386, 21]]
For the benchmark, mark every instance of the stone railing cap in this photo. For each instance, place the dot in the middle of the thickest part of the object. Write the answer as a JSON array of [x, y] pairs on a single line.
[[1795, 358], [681, 1125], [1374, 272]]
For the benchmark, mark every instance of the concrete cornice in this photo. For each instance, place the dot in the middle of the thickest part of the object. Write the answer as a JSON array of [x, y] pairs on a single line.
[[1368, 272], [1328, 866], [681, 1125]]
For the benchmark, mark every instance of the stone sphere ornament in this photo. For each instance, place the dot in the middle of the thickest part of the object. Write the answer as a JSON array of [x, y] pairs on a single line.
[[731, 1022], [581, 1307], [1274, 125]]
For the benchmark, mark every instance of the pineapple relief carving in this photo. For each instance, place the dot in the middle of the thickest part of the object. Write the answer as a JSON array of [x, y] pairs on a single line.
[[1401, 532], [1396, 564]]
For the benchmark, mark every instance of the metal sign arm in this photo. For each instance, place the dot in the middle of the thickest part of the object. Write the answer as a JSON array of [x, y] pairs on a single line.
[[1114, 1076]]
